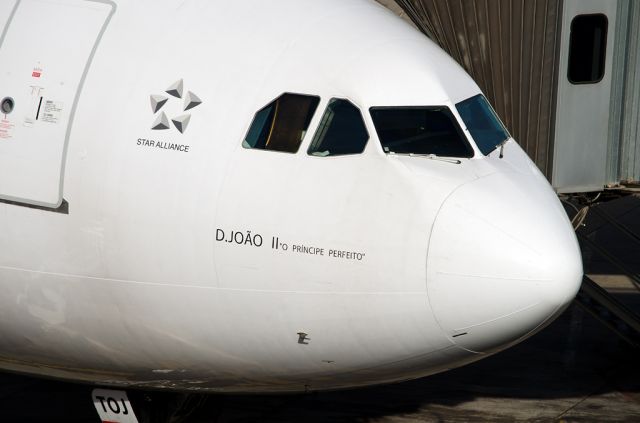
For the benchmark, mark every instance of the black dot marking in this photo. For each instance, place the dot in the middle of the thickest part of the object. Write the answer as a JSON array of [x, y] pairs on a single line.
[[7, 105]]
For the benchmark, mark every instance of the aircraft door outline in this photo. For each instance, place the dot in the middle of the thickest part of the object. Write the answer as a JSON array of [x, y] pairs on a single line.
[[43, 75]]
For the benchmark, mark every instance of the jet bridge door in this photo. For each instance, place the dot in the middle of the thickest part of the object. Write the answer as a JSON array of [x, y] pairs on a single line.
[[583, 106], [46, 50]]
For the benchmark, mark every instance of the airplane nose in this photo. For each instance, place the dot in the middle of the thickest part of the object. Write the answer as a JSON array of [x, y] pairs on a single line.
[[503, 261]]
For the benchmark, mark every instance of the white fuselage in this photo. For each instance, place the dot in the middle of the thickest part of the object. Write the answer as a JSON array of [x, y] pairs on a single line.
[[188, 262]]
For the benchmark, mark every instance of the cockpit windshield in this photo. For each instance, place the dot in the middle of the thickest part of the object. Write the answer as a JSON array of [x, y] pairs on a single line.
[[483, 123], [420, 131]]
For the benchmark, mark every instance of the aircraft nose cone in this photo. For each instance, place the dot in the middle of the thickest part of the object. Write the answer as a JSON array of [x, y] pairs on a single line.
[[503, 261]]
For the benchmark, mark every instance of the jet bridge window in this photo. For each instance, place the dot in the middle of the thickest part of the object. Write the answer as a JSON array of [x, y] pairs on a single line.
[[420, 131], [282, 124], [342, 131], [587, 49]]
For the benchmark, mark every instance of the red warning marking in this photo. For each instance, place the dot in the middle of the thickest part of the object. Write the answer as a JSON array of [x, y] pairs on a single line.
[[36, 74]]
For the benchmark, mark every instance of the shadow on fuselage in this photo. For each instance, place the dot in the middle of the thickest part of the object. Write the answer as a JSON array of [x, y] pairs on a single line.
[[573, 358]]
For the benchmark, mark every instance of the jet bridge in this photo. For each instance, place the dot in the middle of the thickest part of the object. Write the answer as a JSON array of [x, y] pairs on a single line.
[[564, 76]]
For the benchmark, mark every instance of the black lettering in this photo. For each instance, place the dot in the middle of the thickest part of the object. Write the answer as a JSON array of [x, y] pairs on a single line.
[[113, 405], [124, 407], [102, 403], [219, 235]]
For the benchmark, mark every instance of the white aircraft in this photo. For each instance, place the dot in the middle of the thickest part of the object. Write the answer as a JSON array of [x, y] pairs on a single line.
[[257, 196]]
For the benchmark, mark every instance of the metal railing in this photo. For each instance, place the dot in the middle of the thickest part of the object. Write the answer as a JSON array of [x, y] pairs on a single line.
[[596, 300], [609, 311]]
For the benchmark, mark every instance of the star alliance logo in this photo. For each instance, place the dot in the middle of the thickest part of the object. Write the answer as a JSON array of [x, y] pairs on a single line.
[[180, 122]]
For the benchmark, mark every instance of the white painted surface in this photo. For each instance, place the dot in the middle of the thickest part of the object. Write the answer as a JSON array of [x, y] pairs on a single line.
[[131, 288], [113, 406], [6, 7], [44, 53]]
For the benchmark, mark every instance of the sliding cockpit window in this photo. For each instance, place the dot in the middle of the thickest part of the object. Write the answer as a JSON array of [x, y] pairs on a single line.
[[483, 123], [282, 124], [420, 131], [341, 131]]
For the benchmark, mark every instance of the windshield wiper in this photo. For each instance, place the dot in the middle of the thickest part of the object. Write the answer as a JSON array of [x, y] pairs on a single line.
[[428, 156], [501, 147]]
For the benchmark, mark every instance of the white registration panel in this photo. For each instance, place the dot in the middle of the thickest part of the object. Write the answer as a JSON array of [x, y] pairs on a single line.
[[113, 406]]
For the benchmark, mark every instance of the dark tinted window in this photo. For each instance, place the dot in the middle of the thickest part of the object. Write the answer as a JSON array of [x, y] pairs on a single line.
[[282, 124], [483, 124], [420, 130], [587, 49], [341, 131]]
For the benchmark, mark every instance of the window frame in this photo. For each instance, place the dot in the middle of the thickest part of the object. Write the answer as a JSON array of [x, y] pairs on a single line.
[[472, 147], [318, 128], [495, 115], [604, 47], [310, 126]]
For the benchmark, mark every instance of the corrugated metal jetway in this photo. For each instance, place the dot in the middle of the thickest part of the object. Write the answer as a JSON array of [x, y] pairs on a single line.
[[624, 138], [509, 48], [582, 135]]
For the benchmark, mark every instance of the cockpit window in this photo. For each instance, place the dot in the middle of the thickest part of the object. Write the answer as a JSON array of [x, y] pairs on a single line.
[[282, 124], [483, 123], [341, 131], [420, 131]]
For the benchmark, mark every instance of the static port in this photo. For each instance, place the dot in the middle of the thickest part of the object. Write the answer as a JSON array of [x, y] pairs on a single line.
[[7, 105]]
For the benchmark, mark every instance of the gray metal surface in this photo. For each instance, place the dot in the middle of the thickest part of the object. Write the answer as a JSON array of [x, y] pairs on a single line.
[[618, 78], [582, 118], [629, 167]]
